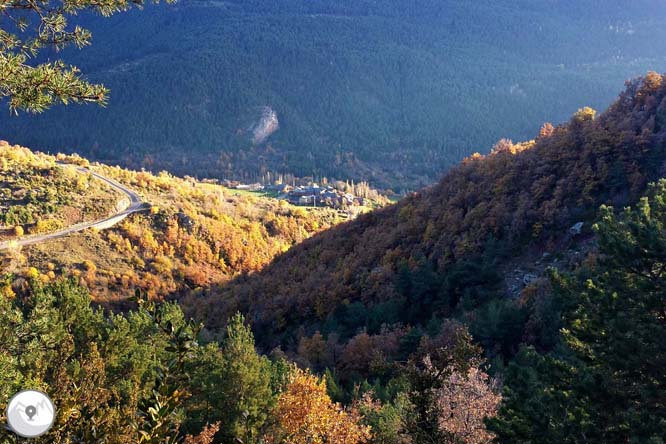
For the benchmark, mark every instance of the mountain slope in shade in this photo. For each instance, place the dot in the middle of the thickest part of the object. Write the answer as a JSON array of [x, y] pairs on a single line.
[[390, 91], [440, 252]]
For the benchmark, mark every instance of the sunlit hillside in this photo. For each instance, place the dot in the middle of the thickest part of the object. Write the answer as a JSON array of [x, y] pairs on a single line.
[[38, 197], [192, 234]]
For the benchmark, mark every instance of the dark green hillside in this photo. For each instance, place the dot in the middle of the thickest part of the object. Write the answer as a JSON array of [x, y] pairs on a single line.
[[389, 91]]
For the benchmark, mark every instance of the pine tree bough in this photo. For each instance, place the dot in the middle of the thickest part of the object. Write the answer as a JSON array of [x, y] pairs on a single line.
[[29, 26]]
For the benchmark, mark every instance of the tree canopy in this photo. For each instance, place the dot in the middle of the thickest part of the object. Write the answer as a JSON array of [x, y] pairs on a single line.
[[606, 382]]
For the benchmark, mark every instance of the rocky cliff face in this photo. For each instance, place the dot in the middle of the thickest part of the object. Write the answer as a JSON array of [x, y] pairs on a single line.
[[267, 125]]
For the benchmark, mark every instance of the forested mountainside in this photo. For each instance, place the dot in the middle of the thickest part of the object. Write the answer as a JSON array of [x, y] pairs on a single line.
[[192, 235], [446, 251], [395, 328], [149, 375], [388, 91]]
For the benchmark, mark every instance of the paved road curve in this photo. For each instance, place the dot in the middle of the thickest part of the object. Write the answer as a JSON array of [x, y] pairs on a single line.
[[136, 205]]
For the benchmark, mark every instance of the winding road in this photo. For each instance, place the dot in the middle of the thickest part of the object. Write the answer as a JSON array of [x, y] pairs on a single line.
[[136, 205]]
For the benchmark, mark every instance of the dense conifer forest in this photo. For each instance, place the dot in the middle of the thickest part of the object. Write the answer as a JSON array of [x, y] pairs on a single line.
[[390, 92]]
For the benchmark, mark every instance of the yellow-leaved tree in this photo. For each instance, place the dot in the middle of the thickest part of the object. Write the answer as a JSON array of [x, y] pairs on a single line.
[[305, 414]]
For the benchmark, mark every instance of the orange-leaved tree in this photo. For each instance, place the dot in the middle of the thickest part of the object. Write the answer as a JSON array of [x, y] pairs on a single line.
[[305, 414]]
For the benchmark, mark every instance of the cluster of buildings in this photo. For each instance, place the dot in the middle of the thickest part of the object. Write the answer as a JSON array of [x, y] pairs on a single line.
[[316, 196], [311, 195], [307, 195]]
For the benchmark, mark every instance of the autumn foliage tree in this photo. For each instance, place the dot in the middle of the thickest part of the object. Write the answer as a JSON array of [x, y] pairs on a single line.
[[450, 395], [464, 401], [206, 436], [306, 415]]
